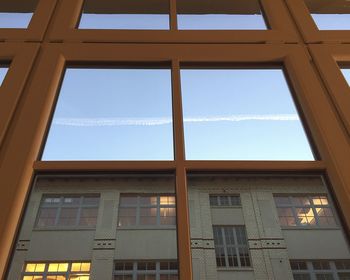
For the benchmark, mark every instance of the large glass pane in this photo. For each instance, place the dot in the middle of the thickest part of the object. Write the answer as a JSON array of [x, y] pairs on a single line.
[[346, 73], [125, 14], [3, 71], [221, 14], [330, 14], [241, 114], [16, 13], [112, 114]]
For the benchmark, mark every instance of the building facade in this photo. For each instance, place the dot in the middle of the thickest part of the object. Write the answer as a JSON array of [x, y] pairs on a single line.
[[174, 139]]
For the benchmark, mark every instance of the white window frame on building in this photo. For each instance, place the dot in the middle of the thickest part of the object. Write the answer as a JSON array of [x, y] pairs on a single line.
[[224, 200], [58, 203], [320, 269], [156, 204], [310, 204], [137, 269], [226, 250]]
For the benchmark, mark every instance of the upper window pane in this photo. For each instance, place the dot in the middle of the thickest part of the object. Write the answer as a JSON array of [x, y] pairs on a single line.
[[3, 72], [112, 114], [346, 73], [221, 14], [330, 14], [125, 14], [241, 114], [16, 13]]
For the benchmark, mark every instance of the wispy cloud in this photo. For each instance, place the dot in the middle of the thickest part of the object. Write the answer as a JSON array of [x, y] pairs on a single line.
[[164, 121]]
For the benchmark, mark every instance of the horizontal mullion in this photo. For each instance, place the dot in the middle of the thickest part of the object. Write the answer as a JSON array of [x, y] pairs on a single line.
[[57, 166], [302, 166]]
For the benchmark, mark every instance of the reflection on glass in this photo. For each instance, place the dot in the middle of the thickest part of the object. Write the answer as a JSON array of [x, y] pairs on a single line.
[[16, 13], [221, 14], [112, 114], [346, 73], [330, 14], [3, 71], [135, 14], [241, 114]]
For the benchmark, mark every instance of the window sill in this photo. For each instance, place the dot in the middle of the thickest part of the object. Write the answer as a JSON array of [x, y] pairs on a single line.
[[232, 269], [147, 228], [64, 229]]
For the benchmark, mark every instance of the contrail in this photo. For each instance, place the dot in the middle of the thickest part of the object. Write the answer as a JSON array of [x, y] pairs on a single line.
[[164, 121]]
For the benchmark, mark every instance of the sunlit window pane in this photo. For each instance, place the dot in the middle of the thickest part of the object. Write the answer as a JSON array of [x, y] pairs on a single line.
[[346, 73], [16, 13], [123, 14], [241, 114], [112, 114], [330, 14], [221, 14], [3, 72]]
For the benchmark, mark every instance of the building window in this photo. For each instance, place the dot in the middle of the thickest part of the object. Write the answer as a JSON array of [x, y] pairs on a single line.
[[346, 73], [224, 200], [16, 14], [146, 210], [146, 270], [68, 211], [124, 14], [320, 269], [3, 72], [241, 114], [301, 210], [231, 246], [117, 114], [57, 271], [220, 15], [330, 14]]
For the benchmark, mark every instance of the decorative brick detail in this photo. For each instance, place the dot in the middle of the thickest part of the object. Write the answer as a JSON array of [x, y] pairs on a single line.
[[202, 243], [104, 244], [23, 245]]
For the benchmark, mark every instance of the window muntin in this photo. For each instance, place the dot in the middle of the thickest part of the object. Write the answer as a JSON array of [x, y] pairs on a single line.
[[123, 14], [231, 246], [304, 211], [241, 114], [16, 13], [57, 271], [320, 269], [346, 73], [330, 14], [146, 210], [224, 200], [220, 15], [146, 270], [70, 211], [3, 72], [112, 114]]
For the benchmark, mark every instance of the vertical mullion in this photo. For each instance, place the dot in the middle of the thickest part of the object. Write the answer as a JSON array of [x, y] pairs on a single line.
[[173, 15], [183, 222]]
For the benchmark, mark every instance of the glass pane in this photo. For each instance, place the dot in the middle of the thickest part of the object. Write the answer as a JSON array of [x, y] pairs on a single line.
[[88, 217], [47, 217], [220, 14], [16, 13], [112, 114], [330, 14], [148, 216], [125, 14], [3, 72], [241, 114], [68, 217], [346, 73], [127, 216]]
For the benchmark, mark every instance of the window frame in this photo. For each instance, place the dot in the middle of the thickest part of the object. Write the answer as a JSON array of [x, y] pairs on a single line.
[[37, 26], [308, 27], [235, 247], [61, 206], [276, 15], [312, 272], [138, 207], [230, 203], [312, 206], [46, 273], [134, 272]]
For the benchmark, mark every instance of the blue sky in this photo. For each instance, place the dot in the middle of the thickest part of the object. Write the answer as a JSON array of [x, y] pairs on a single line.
[[3, 71], [15, 20], [346, 73], [125, 114]]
